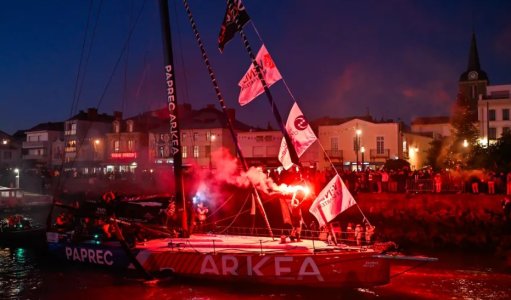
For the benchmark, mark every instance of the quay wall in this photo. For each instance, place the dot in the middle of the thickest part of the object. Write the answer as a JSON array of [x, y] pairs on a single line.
[[466, 222]]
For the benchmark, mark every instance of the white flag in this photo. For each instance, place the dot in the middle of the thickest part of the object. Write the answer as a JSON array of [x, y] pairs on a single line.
[[250, 84], [333, 200], [301, 135]]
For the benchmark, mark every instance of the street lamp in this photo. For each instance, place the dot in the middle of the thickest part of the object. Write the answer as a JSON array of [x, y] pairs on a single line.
[[362, 150], [17, 172], [96, 145], [358, 132], [211, 140]]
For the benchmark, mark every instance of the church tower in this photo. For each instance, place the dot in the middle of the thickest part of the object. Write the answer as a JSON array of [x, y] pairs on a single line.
[[473, 81]]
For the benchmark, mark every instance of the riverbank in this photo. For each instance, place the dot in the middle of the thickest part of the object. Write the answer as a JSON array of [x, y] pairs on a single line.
[[467, 222]]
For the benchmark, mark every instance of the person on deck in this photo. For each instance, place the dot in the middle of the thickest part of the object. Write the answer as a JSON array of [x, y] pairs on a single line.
[[296, 220], [359, 233], [369, 233], [201, 214]]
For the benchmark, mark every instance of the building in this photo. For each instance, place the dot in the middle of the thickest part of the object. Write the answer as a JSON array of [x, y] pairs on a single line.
[[127, 146], [473, 81], [38, 149], [415, 149], [203, 132], [493, 112], [84, 138], [10, 152], [360, 143], [437, 127]]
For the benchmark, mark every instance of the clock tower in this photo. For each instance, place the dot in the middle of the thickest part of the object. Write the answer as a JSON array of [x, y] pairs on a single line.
[[474, 80]]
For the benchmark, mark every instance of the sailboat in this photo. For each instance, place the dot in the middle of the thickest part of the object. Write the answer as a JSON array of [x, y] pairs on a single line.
[[307, 262]]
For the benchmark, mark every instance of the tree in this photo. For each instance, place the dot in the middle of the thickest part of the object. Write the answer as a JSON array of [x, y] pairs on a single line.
[[465, 132]]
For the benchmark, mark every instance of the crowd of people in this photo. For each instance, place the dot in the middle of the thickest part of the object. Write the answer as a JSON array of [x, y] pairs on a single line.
[[403, 180]]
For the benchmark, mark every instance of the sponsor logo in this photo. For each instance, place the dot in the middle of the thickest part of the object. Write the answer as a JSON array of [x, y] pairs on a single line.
[[300, 123], [279, 266], [93, 256]]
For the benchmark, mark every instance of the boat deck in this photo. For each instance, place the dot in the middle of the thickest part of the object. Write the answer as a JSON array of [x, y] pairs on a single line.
[[214, 243]]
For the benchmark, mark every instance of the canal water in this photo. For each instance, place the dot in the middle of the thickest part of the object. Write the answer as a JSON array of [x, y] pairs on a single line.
[[28, 273]]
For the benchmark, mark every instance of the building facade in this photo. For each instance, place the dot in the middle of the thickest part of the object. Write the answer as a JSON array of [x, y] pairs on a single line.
[[359, 144], [39, 150], [493, 112]]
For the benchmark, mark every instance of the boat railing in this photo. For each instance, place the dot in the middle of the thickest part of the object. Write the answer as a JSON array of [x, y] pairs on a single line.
[[345, 237]]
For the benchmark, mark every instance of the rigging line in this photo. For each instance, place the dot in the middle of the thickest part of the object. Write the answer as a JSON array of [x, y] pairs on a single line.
[[294, 99], [78, 83], [283, 80], [82, 53], [224, 109], [81, 143], [123, 50], [238, 214], [212, 76], [269, 96], [88, 54], [337, 174], [223, 204]]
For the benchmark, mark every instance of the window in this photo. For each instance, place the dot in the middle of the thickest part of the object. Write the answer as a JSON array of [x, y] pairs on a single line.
[[195, 136], [183, 136], [70, 128], [185, 151], [491, 115], [259, 138], [161, 151], [505, 130], [130, 125], [116, 146], [380, 145], [492, 133], [268, 138], [130, 145], [505, 114], [195, 151], [117, 127], [334, 143]]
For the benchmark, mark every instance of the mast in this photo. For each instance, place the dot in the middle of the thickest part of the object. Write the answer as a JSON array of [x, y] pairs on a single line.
[[175, 134], [278, 118], [230, 122]]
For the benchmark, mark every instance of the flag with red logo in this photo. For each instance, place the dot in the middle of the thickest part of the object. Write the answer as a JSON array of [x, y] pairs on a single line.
[[250, 85], [301, 135], [229, 27], [333, 200]]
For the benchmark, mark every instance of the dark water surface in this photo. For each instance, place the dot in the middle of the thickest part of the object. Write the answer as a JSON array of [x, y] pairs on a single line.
[[27, 273]]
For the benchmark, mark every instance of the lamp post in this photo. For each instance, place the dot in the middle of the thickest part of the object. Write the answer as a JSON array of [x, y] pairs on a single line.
[[362, 150], [358, 132], [211, 140], [96, 145], [17, 172]]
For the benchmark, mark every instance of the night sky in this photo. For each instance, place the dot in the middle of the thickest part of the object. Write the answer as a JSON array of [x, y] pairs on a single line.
[[395, 59]]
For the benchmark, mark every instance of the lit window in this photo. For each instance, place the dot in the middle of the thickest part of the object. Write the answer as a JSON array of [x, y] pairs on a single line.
[[116, 146], [380, 145], [185, 151], [196, 151], [130, 145]]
